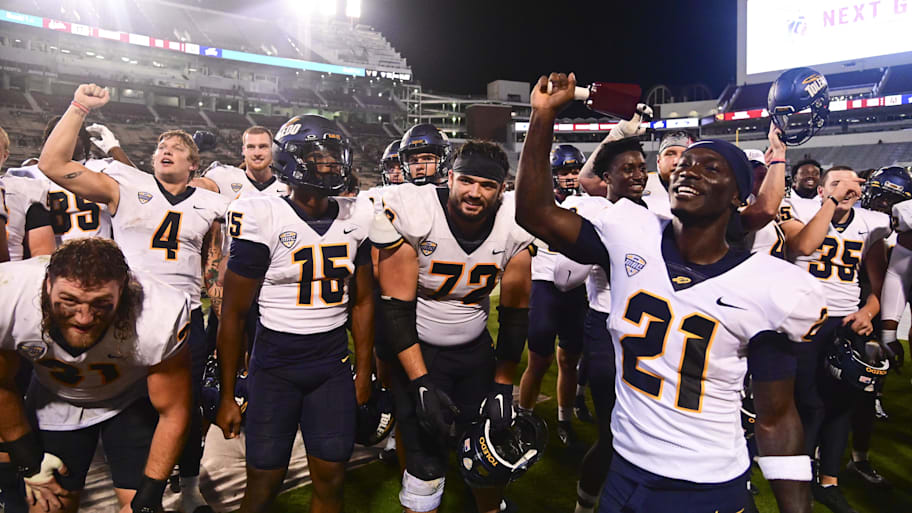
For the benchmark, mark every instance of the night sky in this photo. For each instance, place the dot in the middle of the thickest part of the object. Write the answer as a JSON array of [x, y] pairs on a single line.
[[459, 46]]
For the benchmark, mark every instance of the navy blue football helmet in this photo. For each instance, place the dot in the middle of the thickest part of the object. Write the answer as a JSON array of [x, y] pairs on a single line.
[[205, 140], [311, 151], [420, 139], [794, 91], [390, 161], [886, 187], [563, 157], [857, 360], [375, 420], [489, 458], [211, 390]]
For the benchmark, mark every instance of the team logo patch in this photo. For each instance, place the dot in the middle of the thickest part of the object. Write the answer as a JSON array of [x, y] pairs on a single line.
[[681, 280], [633, 263], [647, 193], [144, 197], [288, 238], [33, 350], [427, 247], [235, 187]]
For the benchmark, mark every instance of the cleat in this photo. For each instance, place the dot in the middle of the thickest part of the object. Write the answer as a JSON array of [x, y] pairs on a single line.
[[879, 411], [567, 434], [832, 498], [581, 411], [864, 470]]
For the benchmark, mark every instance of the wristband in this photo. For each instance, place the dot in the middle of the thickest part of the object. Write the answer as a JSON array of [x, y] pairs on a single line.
[[774, 162], [26, 453], [790, 468], [80, 106], [148, 498], [834, 200], [887, 336]]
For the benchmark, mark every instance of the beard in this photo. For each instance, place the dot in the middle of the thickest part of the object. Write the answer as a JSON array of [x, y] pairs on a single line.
[[75, 336]]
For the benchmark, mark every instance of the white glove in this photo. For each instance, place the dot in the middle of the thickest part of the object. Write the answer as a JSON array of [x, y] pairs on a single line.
[[49, 464], [631, 127], [102, 137]]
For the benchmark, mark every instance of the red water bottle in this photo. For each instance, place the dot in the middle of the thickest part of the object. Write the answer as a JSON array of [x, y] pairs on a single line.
[[609, 98]]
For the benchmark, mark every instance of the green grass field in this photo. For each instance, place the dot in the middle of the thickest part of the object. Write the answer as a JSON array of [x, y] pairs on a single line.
[[550, 485]]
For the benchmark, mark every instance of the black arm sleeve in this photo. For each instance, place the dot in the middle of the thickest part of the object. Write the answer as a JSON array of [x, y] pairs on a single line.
[[588, 248], [248, 259], [399, 321], [771, 357], [511, 337], [36, 217], [363, 257]]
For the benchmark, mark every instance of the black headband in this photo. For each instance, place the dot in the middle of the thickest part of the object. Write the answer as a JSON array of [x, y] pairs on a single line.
[[482, 166]]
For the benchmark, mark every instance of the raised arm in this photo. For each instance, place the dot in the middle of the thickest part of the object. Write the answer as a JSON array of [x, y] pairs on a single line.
[[56, 163], [536, 210], [772, 190], [804, 239]]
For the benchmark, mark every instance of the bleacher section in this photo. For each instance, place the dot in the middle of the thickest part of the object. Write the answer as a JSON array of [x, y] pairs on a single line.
[[187, 116], [223, 119], [14, 99], [899, 80]]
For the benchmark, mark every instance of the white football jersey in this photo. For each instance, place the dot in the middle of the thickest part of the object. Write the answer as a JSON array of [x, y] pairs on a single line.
[[768, 240], [161, 233], [305, 290], [21, 194], [902, 216], [234, 182], [544, 260], [597, 287], [454, 285], [72, 216], [655, 194], [681, 344], [78, 390], [838, 259]]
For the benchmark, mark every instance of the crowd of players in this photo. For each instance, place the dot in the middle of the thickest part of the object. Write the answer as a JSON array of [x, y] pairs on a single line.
[[684, 299]]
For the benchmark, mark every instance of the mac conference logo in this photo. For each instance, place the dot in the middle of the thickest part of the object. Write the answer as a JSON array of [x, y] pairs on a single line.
[[144, 197], [427, 247], [633, 263], [288, 238]]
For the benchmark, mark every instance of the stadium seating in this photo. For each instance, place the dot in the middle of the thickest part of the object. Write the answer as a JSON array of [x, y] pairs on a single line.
[[14, 99], [223, 119], [187, 116]]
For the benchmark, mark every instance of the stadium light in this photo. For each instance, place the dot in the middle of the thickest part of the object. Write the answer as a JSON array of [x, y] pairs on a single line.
[[353, 8], [328, 8]]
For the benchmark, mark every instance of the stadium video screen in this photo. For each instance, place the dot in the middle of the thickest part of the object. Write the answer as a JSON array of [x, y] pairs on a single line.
[[784, 34]]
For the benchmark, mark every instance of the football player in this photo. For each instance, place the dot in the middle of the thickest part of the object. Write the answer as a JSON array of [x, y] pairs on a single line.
[[443, 250], [885, 188], [769, 238], [622, 166], [554, 312], [832, 240], [73, 216], [423, 151], [806, 178], [256, 177], [231, 182], [670, 149], [164, 227], [390, 165], [29, 229], [301, 252], [108, 346], [681, 298]]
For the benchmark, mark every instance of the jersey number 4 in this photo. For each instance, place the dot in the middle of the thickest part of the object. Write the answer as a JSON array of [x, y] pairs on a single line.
[[166, 236], [699, 332]]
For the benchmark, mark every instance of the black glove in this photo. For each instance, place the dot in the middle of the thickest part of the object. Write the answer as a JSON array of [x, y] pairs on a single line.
[[498, 406], [434, 408], [898, 354]]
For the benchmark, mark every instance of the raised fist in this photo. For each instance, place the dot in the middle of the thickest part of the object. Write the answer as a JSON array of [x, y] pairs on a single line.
[[552, 99], [91, 96]]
